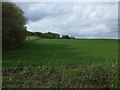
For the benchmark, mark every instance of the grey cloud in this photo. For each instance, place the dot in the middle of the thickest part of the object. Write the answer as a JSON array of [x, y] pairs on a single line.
[[75, 19], [37, 11]]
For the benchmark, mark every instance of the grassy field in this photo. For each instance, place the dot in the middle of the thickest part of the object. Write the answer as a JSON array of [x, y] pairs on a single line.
[[87, 76], [62, 63], [62, 52]]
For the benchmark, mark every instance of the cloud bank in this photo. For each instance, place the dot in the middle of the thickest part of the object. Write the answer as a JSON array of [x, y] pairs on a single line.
[[82, 20]]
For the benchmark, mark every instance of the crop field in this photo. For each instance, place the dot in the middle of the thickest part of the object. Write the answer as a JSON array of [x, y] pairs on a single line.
[[60, 45], [62, 63], [65, 52]]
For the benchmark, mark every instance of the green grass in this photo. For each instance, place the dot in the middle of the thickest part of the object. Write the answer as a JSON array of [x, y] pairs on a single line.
[[87, 76], [62, 52], [61, 63]]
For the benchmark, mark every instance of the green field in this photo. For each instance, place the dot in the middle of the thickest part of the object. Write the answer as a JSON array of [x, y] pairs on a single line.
[[62, 63], [62, 52]]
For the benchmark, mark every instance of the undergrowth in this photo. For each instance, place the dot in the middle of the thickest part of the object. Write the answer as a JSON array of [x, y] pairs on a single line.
[[87, 76]]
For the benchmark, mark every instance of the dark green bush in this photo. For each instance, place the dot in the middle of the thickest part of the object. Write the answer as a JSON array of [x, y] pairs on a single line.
[[13, 26]]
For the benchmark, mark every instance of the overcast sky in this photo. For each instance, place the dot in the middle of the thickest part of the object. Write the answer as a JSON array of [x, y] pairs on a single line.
[[81, 20]]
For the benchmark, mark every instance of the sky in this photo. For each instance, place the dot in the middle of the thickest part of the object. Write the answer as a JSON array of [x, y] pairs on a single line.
[[78, 19]]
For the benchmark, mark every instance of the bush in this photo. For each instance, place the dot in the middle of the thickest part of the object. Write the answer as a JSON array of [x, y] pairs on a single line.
[[13, 26], [65, 37]]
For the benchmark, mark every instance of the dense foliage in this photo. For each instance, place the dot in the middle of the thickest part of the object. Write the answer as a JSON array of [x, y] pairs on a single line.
[[49, 35], [13, 25], [65, 37]]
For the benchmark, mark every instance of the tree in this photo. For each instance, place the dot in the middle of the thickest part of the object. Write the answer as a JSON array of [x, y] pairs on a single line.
[[50, 35], [72, 37], [39, 34], [13, 26], [53, 35], [65, 37]]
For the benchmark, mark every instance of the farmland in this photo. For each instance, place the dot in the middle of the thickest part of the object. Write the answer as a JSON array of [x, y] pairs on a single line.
[[44, 45], [62, 63], [63, 52]]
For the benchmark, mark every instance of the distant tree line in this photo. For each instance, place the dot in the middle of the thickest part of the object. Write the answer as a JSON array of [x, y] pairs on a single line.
[[49, 35]]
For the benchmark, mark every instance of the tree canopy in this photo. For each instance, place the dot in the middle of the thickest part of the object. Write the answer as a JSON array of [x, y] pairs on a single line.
[[13, 26], [49, 35], [65, 37]]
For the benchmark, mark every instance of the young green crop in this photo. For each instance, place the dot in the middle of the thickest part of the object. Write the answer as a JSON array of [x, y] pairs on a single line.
[[65, 52]]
